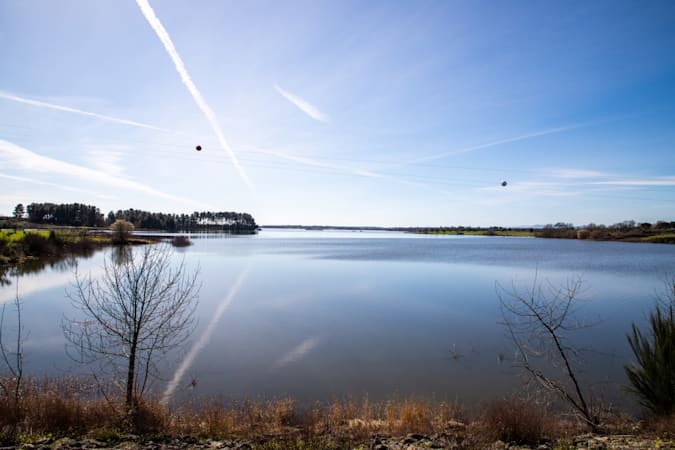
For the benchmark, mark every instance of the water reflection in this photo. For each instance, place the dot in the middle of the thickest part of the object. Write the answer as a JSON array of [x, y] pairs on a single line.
[[384, 314], [60, 263], [36, 276], [204, 338], [121, 254], [297, 352]]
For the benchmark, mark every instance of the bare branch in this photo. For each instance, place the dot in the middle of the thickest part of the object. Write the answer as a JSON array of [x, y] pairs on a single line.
[[538, 321], [141, 308]]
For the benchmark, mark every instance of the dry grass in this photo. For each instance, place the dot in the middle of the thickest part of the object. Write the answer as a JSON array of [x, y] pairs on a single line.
[[215, 419], [73, 407], [660, 426], [52, 406], [516, 420]]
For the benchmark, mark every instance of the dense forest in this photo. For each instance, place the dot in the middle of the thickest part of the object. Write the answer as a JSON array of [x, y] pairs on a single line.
[[233, 222], [69, 214], [80, 215]]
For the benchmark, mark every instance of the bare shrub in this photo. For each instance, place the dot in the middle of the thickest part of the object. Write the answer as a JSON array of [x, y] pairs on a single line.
[[515, 420], [540, 322], [181, 241], [142, 308], [149, 416], [11, 372], [121, 231]]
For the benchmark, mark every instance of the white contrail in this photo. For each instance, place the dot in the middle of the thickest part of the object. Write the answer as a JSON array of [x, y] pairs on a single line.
[[492, 144], [303, 105], [163, 35], [205, 337], [19, 157], [27, 101], [315, 163], [345, 169]]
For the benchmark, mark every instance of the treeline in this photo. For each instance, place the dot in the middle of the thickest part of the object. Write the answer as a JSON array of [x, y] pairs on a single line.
[[233, 222], [80, 215], [66, 214], [628, 230], [484, 231]]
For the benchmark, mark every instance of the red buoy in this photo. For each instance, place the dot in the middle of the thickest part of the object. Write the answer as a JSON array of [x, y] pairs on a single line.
[[199, 148]]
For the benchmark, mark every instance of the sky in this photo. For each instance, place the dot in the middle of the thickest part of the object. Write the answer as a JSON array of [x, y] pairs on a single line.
[[381, 113]]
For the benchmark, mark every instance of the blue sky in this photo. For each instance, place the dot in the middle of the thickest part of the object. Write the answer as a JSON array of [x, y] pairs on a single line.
[[346, 113]]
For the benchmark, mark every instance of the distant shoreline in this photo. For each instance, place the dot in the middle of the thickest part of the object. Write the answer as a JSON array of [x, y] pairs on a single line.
[[635, 234]]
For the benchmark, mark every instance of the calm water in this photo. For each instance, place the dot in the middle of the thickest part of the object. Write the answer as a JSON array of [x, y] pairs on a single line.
[[323, 314]]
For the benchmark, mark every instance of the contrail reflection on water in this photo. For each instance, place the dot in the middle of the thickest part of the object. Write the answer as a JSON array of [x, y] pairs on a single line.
[[206, 335]]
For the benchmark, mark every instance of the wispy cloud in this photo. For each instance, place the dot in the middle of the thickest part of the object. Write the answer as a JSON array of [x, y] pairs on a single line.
[[347, 170], [56, 185], [303, 105], [537, 188], [163, 35], [577, 173], [656, 181], [107, 158], [522, 137], [27, 101], [297, 352], [205, 337], [18, 157]]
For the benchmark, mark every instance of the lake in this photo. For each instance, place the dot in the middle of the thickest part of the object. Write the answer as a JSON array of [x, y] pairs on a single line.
[[319, 315]]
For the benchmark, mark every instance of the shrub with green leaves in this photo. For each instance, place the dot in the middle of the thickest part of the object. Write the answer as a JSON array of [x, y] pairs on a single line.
[[652, 378]]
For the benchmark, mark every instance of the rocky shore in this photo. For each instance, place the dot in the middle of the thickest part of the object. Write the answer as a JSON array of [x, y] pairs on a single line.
[[375, 442]]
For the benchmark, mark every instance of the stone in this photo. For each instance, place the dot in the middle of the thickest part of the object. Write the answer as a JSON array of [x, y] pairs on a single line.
[[65, 443], [498, 445]]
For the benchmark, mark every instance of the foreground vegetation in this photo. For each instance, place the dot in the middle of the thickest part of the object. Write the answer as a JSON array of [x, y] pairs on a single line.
[[70, 407], [142, 307], [17, 246], [98, 411]]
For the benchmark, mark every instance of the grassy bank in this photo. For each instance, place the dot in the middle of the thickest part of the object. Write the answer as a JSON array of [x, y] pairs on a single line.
[[18, 246], [592, 233], [72, 407]]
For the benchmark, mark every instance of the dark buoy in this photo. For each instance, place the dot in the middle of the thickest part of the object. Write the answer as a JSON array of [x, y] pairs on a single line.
[[198, 148], [504, 183]]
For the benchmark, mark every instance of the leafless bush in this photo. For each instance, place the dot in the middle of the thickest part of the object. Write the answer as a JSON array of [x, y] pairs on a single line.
[[516, 420], [540, 321], [142, 308], [181, 241]]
